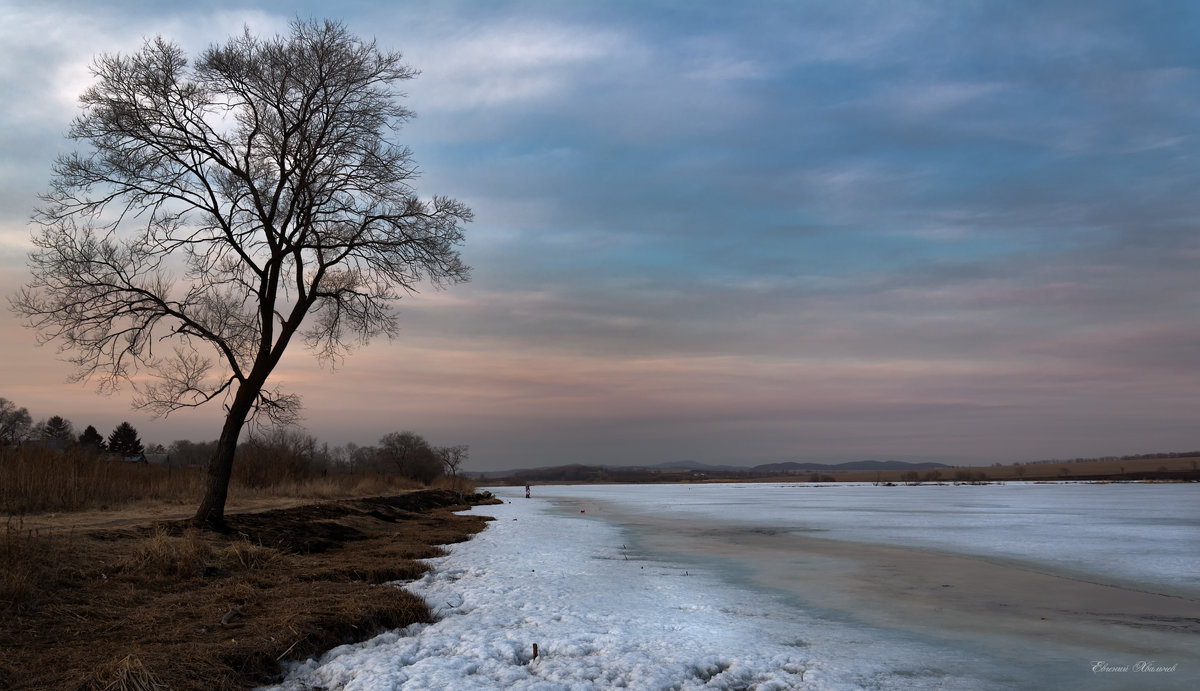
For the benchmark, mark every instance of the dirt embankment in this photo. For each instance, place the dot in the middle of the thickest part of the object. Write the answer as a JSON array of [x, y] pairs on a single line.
[[161, 603]]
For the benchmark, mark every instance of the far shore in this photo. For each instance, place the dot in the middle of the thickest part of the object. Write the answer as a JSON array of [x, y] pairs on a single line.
[[1179, 468]]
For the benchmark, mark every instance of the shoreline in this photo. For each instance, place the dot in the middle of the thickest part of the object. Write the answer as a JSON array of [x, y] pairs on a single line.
[[613, 600]]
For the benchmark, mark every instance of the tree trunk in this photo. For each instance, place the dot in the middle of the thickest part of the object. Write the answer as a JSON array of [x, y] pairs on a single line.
[[211, 513]]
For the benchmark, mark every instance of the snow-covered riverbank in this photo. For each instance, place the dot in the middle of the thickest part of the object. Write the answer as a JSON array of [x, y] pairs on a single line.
[[609, 607]]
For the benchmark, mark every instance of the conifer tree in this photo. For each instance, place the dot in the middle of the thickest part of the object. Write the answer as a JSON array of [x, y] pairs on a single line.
[[124, 441], [91, 440], [58, 427]]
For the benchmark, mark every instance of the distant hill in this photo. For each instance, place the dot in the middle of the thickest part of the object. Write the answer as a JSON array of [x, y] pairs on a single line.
[[709, 468], [688, 465], [1156, 467], [852, 465]]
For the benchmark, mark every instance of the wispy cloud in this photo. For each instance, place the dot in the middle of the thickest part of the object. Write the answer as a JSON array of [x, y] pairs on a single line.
[[515, 63], [744, 231]]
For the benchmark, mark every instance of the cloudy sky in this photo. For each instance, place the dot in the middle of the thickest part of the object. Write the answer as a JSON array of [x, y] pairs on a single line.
[[734, 232]]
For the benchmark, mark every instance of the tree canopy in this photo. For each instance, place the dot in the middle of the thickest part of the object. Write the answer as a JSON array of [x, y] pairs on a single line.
[[124, 441], [91, 440], [15, 422], [230, 205], [57, 427], [412, 455]]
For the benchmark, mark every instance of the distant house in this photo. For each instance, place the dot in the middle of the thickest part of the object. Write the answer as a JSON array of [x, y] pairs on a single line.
[[145, 458], [52, 444]]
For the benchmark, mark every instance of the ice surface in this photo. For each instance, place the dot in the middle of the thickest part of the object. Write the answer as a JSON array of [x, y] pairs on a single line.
[[1139, 532], [607, 614]]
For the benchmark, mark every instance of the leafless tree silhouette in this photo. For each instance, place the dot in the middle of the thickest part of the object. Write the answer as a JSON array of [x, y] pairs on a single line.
[[224, 205]]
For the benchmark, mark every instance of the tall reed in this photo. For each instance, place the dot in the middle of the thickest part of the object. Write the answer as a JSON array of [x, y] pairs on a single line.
[[39, 480]]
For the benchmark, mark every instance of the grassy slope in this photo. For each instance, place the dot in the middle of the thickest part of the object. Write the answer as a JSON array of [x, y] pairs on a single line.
[[157, 602]]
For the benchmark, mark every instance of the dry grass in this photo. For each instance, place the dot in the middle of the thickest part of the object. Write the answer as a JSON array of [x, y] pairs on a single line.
[[339, 486], [36, 481], [42, 480], [456, 484], [247, 555], [159, 605], [126, 674], [21, 553], [163, 555]]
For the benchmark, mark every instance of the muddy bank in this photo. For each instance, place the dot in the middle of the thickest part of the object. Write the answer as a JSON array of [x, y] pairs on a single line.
[[162, 603]]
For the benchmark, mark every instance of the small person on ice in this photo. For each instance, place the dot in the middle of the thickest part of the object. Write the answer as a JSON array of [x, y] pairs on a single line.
[[526, 491]]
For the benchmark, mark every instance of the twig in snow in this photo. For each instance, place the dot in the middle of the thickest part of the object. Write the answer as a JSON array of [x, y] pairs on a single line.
[[284, 653]]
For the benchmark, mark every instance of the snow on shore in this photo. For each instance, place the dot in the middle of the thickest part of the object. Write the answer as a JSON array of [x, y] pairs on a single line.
[[605, 616]]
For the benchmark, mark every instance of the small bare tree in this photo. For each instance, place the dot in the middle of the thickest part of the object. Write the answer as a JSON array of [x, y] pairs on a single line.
[[452, 458], [224, 205]]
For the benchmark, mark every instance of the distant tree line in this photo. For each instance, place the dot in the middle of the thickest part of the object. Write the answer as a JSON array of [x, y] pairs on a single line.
[[17, 428], [587, 473], [263, 457], [1132, 457]]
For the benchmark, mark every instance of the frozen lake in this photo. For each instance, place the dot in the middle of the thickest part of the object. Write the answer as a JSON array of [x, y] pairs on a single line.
[[1148, 533], [809, 587]]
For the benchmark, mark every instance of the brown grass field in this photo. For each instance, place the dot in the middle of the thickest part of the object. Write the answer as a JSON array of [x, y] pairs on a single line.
[[104, 584], [42, 481], [159, 605]]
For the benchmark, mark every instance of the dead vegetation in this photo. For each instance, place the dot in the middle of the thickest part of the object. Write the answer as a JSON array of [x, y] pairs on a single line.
[[127, 674], [166, 606], [40, 480]]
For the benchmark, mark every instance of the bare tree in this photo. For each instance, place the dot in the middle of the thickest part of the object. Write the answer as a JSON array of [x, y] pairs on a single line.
[[14, 423], [224, 205], [412, 455], [452, 458]]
